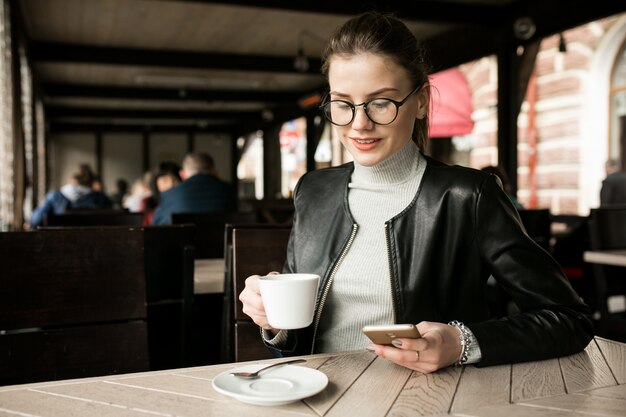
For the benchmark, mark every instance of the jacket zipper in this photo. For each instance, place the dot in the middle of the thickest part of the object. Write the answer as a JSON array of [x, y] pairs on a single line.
[[393, 294], [329, 282]]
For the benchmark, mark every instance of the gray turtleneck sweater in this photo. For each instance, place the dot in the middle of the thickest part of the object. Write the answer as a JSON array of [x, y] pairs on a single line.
[[361, 291]]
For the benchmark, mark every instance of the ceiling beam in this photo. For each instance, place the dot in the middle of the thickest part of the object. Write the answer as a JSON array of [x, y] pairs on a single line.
[[416, 10], [177, 94], [63, 127], [104, 55], [117, 113], [238, 128]]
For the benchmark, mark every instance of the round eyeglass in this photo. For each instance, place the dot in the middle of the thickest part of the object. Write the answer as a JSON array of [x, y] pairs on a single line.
[[381, 111]]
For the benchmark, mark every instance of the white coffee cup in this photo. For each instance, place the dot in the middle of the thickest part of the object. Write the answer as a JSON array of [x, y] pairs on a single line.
[[289, 299]]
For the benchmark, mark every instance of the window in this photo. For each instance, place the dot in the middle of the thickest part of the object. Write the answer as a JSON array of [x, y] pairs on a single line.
[[6, 121], [617, 127]]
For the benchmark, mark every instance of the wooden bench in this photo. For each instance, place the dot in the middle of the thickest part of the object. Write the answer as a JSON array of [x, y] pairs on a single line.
[[167, 260], [72, 305], [94, 217]]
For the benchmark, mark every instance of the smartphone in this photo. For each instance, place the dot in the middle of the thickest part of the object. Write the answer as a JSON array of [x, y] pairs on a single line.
[[383, 335]]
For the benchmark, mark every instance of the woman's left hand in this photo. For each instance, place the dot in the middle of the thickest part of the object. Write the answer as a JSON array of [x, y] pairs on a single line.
[[439, 347]]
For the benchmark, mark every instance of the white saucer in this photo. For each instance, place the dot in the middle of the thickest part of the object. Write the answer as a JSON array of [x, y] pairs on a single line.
[[282, 385]]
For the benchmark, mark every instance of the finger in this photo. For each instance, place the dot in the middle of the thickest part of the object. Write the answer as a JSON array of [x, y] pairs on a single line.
[[252, 301], [257, 313], [411, 344], [407, 358], [252, 283], [424, 327], [274, 273], [422, 344], [397, 355]]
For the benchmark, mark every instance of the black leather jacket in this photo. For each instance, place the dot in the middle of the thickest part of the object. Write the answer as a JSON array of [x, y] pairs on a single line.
[[459, 229]]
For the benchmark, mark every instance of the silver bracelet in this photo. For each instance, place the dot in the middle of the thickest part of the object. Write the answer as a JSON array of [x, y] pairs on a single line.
[[466, 340]]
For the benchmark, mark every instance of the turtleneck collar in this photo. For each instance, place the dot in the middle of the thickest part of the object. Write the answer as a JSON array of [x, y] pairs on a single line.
[[398, 168]]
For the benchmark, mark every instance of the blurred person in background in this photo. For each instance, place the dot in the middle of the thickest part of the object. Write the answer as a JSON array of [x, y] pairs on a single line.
[[166, 177], [200, 192], [120, 194], [138, 192], [78, 193], [613, 189]]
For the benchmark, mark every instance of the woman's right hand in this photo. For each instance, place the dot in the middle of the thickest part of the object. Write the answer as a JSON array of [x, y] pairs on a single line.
[[250, 297]]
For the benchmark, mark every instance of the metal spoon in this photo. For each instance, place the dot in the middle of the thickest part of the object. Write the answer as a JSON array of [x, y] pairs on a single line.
[[256, 374]]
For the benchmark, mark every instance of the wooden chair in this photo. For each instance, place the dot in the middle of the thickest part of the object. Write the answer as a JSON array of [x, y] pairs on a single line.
[[208, 310], [607, 230], [72, 305], [169, 258], [94, 217], [569, 245], [209, 238], [255, 250], [272, 211]]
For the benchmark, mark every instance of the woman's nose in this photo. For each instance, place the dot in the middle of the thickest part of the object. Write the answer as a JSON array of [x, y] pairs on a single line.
[[361, 121]]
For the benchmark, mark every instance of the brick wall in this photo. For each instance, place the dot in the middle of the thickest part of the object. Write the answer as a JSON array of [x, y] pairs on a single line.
[[561, 79]]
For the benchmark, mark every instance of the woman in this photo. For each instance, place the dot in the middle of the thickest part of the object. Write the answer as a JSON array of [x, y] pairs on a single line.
[[165, 178], [398, 237]]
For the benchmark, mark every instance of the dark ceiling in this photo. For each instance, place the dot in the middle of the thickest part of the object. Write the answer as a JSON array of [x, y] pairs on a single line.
[[183, 65]]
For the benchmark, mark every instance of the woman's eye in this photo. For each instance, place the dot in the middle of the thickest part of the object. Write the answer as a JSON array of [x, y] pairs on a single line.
[[341, 105], [379, 105]]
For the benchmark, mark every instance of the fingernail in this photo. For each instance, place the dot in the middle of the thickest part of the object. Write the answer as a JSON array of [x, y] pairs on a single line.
[[370, 348], [396, 343]]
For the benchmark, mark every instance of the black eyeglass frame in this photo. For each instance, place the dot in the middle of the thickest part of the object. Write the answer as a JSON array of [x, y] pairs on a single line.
[[353, 107]]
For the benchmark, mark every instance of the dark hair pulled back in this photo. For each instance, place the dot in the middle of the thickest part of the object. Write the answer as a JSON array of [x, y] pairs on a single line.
[[383, 34]]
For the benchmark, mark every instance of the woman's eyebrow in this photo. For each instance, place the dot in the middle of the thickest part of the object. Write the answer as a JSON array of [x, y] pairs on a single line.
[[372, 94]]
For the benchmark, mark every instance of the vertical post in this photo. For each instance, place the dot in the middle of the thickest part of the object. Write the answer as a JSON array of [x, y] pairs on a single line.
[[272, 168], [190, 141], [99, 154], [145, 151], [312, 140], [234, 162], [508, 82]]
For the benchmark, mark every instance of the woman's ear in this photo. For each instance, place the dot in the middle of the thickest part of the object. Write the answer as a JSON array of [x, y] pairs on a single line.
[[423, 99]]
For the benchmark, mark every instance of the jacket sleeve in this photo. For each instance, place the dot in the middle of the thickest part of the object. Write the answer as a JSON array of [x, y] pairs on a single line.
[[553, 321], [46, 207], [159, 217], [605, 193]]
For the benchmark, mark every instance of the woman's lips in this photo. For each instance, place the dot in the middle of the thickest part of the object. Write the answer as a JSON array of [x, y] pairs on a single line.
[[365, 144]]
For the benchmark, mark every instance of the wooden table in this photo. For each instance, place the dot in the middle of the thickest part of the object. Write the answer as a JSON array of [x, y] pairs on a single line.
[[592, 382], [606, 257]]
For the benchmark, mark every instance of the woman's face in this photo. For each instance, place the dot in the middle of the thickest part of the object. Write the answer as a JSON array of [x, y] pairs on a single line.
[[363, 77], [165, 182]]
